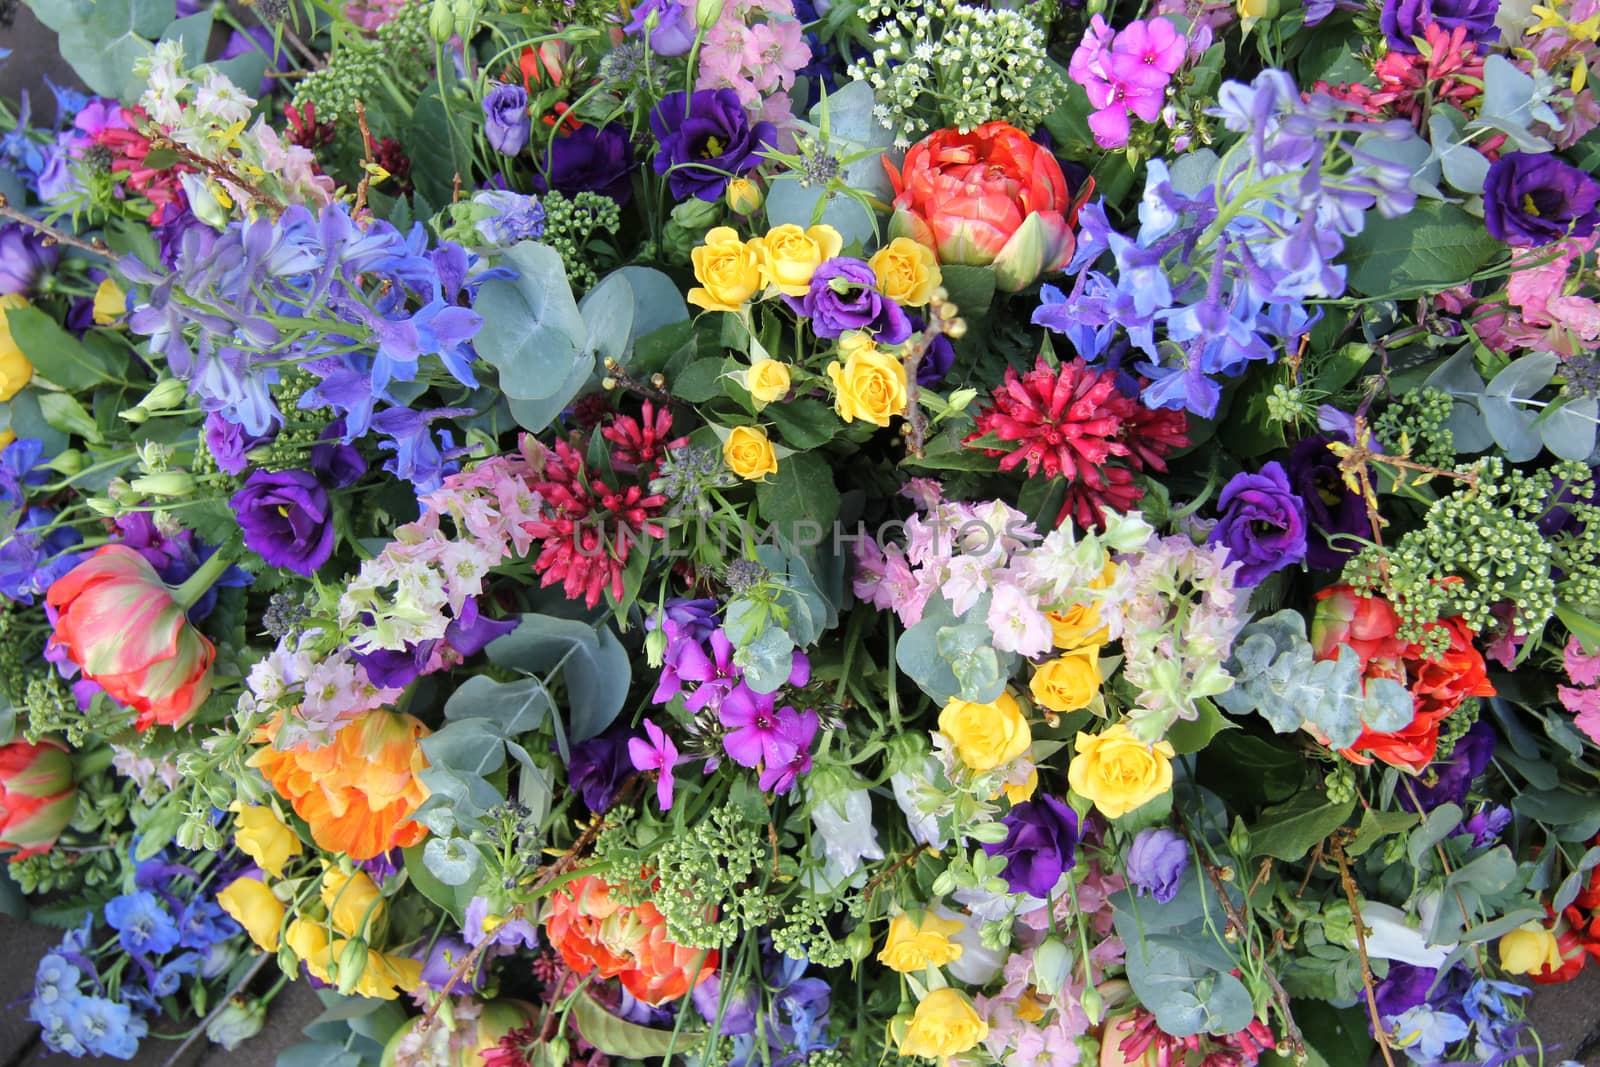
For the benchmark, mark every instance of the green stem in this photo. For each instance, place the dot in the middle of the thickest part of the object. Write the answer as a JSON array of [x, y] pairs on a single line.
[[200, 582]]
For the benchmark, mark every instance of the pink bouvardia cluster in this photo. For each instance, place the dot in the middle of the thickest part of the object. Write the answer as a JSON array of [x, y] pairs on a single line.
[[1125, 72], [1539, 312], [1582, 697], [756, 48]]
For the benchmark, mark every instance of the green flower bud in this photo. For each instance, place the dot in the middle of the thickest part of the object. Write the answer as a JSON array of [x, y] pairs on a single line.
[[707, 13], [352, 965], [1052, 965], [442, 21], [858, 945], [136, 415], [1092, 1003], [167, 394], [167, 483], [239, 1020], [655, 648], [68, 461], [558, 1049]]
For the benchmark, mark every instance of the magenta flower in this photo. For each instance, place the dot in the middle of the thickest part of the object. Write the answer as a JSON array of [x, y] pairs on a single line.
[[1125, 73], [1147, 53], [797, 729], [715, 673], [753, 728], [658, 753]]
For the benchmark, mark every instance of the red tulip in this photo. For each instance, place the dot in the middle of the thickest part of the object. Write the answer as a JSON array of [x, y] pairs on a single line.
[[123, 625], [990, 196], [37, 796]]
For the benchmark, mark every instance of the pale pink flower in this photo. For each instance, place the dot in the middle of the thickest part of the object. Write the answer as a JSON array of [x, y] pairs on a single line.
[[1582, 668]]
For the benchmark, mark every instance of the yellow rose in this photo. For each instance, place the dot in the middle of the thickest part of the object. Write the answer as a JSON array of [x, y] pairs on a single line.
[[1081, 624], [261, 835], [1530, 949], [790, 255], [946, 1023], [728, 270], [1119, 772], [907, 272], [110, 303], [6, 437], [749, 454], [1068, 682], [353, 900], [911, 946], [15, 370], [744, 196], [870, 385], [251, 904], [768, 380], [382, 977], [1017, 792], [986, 735]]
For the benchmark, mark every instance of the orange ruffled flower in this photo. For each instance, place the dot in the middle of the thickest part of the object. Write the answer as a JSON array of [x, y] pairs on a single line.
[[595, 933], [358, 791]]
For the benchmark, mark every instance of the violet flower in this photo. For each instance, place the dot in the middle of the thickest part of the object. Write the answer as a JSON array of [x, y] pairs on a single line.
[[1041, 835], [843, 297], [598, 767], [24, 258], [706, 138], [590, 159], [1403, 20], [1533, 199], [287, 519], [1156, 862], [1263, 523], [506, 124], [1331, 508]]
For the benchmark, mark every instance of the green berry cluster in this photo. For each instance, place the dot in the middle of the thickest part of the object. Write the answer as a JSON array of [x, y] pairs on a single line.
[[1479, 548], [711, 886], [571, 227], [1340, 783], [395, 62], [1455, 728], [943, 63], [64, 871], [802, 931], [1418, 425]]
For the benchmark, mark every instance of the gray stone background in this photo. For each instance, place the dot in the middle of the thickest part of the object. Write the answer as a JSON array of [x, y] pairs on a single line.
[[1567, 1016]]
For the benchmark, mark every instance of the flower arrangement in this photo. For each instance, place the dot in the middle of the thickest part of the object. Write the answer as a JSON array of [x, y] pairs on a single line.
[[761, 532]]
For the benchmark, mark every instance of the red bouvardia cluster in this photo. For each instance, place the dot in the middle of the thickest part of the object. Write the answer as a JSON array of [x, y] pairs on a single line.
[[1144, 1044], [1449, 71], [1438, 683], [1076, 422], [595, 933]]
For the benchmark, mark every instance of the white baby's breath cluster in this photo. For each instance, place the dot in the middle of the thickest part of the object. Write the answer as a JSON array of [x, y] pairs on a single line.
[[941, 63]]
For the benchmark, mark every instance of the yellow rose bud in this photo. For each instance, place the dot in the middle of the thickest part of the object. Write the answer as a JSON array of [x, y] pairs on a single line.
[[1530, 949], [1078, 626], [790, 255], [985, 736], [1017, 792], [386, 977], [749, 454], [6, 437], [15, 370], [912, 946], [769, 380], [1117, 771], [1068, 682], [110, 303], [870, 385], [907, 272], [310, 942], [251, 904], [353, 900], [261, 835], [744, 196], [945, 1023], [728, 270]]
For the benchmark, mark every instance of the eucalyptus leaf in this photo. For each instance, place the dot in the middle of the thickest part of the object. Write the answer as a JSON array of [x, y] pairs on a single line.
[[594, 667], [1509, 419], [452, 860], [532, 331]]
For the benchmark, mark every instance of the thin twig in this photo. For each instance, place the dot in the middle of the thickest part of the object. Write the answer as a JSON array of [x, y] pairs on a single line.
[[883, 875], [654, 389], [249, 976], [1361, 949], [51, 234], [216, 169], [366, 170]]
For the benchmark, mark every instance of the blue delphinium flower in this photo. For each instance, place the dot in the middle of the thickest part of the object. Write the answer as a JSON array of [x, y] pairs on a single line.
[[30, 562], [1424, 1033], [106, 1028], [1496, 1020], [144, 926]]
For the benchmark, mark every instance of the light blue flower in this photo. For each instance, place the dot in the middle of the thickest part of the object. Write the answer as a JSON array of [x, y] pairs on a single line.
[[1425, 1033], [145, 927]]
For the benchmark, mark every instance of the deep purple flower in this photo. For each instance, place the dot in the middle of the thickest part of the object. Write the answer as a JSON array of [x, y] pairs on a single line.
[[1452, 776], [937, 360], [706, 138], [590, 159], [669, 23], [842, 298], [1405, 987], [1404, 19], [24, 258], [1263, 523], [336, 465], [505, 118], [229, 444], [599, 766], [287, 519], [1487, 825], [395, 668], [1041, 835], [1533, 199], [471, 631], [1331, 508], [1156, 862]]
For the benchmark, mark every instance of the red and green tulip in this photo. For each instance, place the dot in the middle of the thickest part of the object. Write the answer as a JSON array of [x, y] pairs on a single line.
[[37, 796]]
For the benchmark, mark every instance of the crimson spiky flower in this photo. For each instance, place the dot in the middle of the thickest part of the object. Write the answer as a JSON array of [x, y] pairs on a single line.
[[638, 444], [519, 1048], [129, 147], [304, 129], [1067, 421], [1240, 1049], [1448, 70], [391, 157], [588, 527]]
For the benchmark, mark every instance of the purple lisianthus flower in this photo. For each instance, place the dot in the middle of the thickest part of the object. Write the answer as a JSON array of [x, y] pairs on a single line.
[[1487, 825], [336, 465], [1041, 836], [590, 159], [1404, 19], [505, 118], [1156, 862], [706, 138], [1533, 199], [395, 668], [1263, 523], [668, 23], [937, 360], [1452, 776], [230, 445], [471, 631], [504, 934], [1405, 987], [599, 766], [843, 297], [441, 971], [287, 519], [24, 258], [1331, 508]]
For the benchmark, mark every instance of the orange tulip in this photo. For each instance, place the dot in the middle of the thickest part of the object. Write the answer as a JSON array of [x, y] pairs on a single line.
[[359, 790], [597, 934], [125, 627]]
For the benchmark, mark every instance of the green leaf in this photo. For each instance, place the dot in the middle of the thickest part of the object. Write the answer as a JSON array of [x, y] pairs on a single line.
[[1434, 246], [1290, 830], [1580, 625], [56, 355], [473, 747], [515, 707], [699, 381], [63, 411], [1192, 735], [104, 46], [594, 666], [804, 423], [1377, 825], [618, 1037], [195, 33], [454, 901], [532, 330], [971, 289], [801, 491]]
